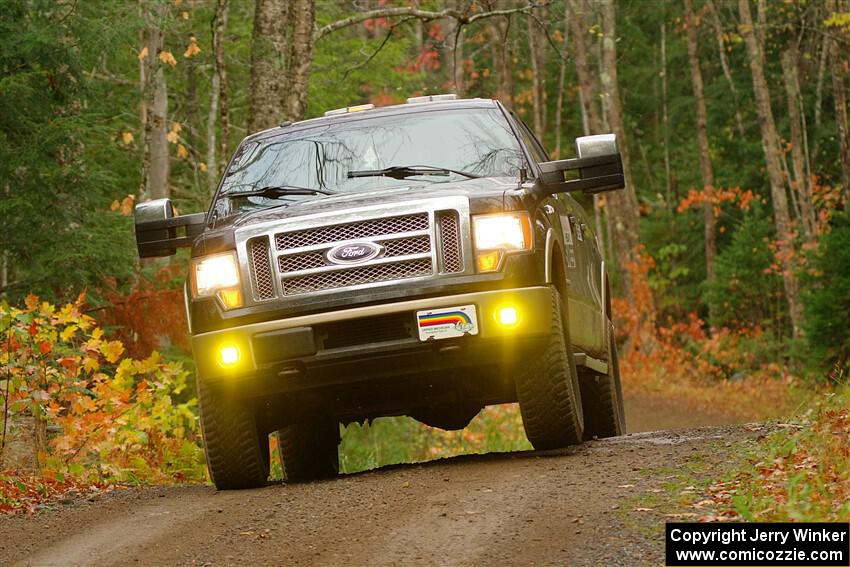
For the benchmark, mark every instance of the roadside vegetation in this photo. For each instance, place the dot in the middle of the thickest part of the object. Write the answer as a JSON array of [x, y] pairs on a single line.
[[729, 249]]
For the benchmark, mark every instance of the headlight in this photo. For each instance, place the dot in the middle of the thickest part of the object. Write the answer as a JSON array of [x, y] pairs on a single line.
[[509, 231], [496, 234], [217, 276]]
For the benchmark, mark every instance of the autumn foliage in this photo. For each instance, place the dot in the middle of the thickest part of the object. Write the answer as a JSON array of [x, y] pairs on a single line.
[[687, 361], [98, 415]]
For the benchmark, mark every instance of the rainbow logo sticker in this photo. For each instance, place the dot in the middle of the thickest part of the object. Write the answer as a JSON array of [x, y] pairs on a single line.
[[447, 323]]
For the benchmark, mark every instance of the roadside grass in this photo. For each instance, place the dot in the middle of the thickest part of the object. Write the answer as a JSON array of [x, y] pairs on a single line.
[[797, 470], [800, 472], [394, 440], [671, 494]]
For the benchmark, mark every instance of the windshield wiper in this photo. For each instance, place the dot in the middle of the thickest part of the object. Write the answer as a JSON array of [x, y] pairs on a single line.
[[273, 191], [404, 171]]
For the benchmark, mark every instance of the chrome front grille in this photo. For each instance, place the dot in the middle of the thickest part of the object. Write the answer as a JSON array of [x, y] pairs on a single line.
[[451, 243], [298, 262], [357, 276], [406, 252], [261, 273], [285, 259], [351, 231]]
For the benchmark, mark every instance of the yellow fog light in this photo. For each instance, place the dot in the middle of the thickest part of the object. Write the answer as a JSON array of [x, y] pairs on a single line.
[[507, 316], [229, 355], [231, 298], [489, 261]]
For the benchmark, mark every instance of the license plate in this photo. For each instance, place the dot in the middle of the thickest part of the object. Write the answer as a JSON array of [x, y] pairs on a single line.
[[447, 323]]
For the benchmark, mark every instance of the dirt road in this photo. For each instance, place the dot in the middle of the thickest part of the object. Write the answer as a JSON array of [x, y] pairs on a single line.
[[572, 507]]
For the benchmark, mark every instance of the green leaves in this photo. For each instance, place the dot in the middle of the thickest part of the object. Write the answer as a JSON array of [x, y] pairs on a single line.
[[118, 417]]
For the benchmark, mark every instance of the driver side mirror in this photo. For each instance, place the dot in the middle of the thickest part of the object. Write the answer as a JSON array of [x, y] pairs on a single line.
[[158, 231], [599, 166]]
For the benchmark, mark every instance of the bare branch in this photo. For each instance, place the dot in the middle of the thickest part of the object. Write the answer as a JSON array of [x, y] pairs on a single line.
[[426, 15], [377, 51]]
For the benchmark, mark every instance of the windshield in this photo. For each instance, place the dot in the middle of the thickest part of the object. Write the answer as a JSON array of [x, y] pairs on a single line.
[[474, 141]]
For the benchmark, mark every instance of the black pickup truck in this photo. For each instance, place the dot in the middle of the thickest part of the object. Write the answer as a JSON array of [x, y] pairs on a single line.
[[424, 259]]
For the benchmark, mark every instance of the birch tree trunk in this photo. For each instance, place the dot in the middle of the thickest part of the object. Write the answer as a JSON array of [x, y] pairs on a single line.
[[154, 109], [538, 67], [623, 212], [799, 167], [665, 119], [839, 97], [724, 64], [702, 140], [823, 58], [770, 144], [218, 25]]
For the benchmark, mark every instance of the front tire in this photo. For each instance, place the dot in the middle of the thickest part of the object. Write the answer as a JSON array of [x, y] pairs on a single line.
[[548, 391], [237, 450], [309, 450], [602, 398]]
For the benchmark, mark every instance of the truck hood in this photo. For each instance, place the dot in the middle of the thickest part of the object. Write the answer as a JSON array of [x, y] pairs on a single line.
[[486, 193]]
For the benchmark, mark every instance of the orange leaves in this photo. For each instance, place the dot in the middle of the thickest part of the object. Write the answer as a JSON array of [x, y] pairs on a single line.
[[173, 137], [192, 49], [26, 493], [31, 301], [174, 133], [124, 206], [118, 417], [717, 196], [127, 138], [167, 58]]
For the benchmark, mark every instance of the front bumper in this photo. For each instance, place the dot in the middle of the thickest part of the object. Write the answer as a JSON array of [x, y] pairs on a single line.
[[282, 348]]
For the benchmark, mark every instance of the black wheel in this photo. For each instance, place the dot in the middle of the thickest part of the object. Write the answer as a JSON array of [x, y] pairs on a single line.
[[309, 450], [548, 391], [602, 397], [237, 450]]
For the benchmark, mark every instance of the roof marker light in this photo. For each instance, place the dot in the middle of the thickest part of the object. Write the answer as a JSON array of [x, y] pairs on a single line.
[[348, 109], [431, 98]]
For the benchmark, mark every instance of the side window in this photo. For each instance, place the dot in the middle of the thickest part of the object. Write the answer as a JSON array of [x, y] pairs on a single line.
[[537, 151]]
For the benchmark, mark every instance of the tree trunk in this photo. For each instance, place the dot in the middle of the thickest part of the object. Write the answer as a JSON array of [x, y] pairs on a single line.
[[498, 28], [456, 68], [217, 95], [800, 169], [300, 58], [562, 73], [155, 110], [269, 62], [588, 89], [724, 64], [770, 144], [665, 118], [823, 58], [623, 212], [702, 140], [588, 94], [537, 49], [839, 97]]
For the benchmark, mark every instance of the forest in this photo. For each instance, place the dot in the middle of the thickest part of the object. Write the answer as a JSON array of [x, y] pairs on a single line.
[[729, 247]]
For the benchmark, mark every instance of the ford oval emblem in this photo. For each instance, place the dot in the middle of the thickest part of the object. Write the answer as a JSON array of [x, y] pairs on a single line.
[[354, 253]]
